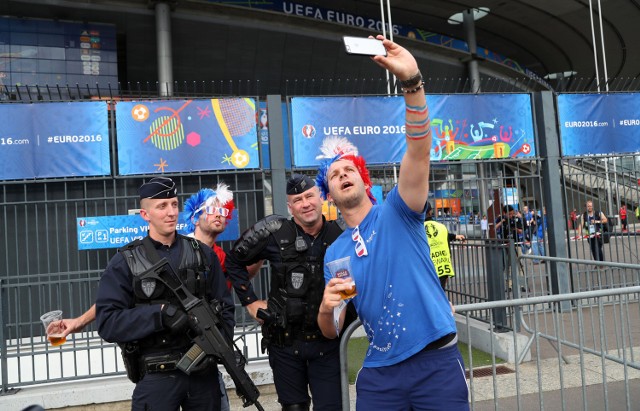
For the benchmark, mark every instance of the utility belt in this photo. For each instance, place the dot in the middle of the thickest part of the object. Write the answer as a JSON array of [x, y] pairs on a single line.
[[287, 336], [160, 363]]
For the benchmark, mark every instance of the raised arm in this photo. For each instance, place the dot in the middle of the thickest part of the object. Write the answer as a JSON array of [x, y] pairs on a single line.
[[413, 182]]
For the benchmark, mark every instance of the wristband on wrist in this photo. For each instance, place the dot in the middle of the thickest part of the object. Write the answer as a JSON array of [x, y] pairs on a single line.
[[412, 81], [413, 90]]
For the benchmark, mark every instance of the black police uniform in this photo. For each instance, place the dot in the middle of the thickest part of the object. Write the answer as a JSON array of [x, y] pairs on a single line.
[[129, 311], [299, 355]]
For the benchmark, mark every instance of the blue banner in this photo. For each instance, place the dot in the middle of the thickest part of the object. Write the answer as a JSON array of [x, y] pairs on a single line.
[[463, 126], [186, 135], [54, 140], [96, 233], [599, 123]]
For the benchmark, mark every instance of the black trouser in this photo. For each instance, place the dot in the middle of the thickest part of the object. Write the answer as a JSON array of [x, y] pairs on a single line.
[[168, 391], [308, 366], [596, 248]]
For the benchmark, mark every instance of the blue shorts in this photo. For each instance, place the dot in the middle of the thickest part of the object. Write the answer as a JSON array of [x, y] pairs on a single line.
[[428, 380]]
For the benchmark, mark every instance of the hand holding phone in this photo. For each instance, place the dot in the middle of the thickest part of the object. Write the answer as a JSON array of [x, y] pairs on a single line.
[[364, 46]]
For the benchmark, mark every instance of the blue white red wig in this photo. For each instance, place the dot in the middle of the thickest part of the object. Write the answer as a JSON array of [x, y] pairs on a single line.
[[336, 148], [207, 197]]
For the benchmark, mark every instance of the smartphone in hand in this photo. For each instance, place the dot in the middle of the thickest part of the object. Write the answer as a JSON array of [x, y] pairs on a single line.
[[364, 46]]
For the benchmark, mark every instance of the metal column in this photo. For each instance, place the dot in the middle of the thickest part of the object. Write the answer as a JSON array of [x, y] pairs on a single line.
[[548, 141], [163, 44], [276, 151]]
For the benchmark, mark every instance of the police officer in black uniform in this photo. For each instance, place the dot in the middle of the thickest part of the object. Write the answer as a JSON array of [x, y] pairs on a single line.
[[145, 318], [300, 357], [512, 227]]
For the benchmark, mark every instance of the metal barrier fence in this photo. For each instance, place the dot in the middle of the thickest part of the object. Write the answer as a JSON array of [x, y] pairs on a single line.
[[586, 357], [302, 86], [291, 87], [27, 358]]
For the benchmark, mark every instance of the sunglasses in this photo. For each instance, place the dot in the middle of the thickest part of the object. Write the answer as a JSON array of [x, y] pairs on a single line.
[[211, 210], [361, 248]]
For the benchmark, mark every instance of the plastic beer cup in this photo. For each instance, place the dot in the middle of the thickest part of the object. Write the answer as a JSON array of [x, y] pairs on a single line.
[[341, 268], [51, 322]]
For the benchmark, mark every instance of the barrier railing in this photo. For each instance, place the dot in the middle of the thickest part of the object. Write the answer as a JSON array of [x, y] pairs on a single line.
[[26, 357], [586, 357]]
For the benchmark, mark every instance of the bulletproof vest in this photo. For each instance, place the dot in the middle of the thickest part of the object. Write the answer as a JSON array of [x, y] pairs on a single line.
[[299, 278], [140, 255]]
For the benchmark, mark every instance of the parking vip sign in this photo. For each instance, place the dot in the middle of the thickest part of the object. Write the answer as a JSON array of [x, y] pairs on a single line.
[[95, 233]]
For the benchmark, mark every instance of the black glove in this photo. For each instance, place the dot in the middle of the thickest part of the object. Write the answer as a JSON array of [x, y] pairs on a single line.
[[174, 318]]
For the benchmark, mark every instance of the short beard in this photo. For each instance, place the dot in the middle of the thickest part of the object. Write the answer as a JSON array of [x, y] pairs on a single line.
[[351, 201], [209, 231]]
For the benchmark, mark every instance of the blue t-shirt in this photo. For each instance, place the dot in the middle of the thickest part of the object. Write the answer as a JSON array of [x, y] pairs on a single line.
[[400, 301], [542, 225]]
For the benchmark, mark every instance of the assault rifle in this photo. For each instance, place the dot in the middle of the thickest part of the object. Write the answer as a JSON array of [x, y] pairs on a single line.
[[208, 339]]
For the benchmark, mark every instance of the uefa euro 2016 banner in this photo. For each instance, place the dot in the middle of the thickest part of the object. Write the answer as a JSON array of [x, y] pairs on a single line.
[[186, 135], [54, 140], [592, 124], [116, 231], [463, 126]]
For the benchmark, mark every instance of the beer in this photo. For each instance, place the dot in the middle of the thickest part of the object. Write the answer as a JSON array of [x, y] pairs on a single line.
[[350, 292], [341, 268], [52, 322], [57, 340]]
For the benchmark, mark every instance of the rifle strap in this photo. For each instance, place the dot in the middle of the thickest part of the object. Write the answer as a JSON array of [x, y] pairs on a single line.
[[152, 253]]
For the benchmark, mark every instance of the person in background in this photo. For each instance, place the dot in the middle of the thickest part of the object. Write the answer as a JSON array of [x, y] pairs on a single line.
[[537, 238], [529, 226], [207, 214], [413, 361], [592, 221], [573, 219], [146, 318], [623, 218], [439, 239], [484, 226], [511, 228]]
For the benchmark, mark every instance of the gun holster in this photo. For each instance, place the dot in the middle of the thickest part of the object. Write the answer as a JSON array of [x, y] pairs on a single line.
[[131, 358]]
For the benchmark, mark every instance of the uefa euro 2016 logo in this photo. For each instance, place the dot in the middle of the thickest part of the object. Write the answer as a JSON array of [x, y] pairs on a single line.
[[308, 131]]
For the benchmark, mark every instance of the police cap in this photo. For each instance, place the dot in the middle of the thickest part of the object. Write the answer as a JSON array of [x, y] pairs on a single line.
[[158, 187], [299, 183]]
